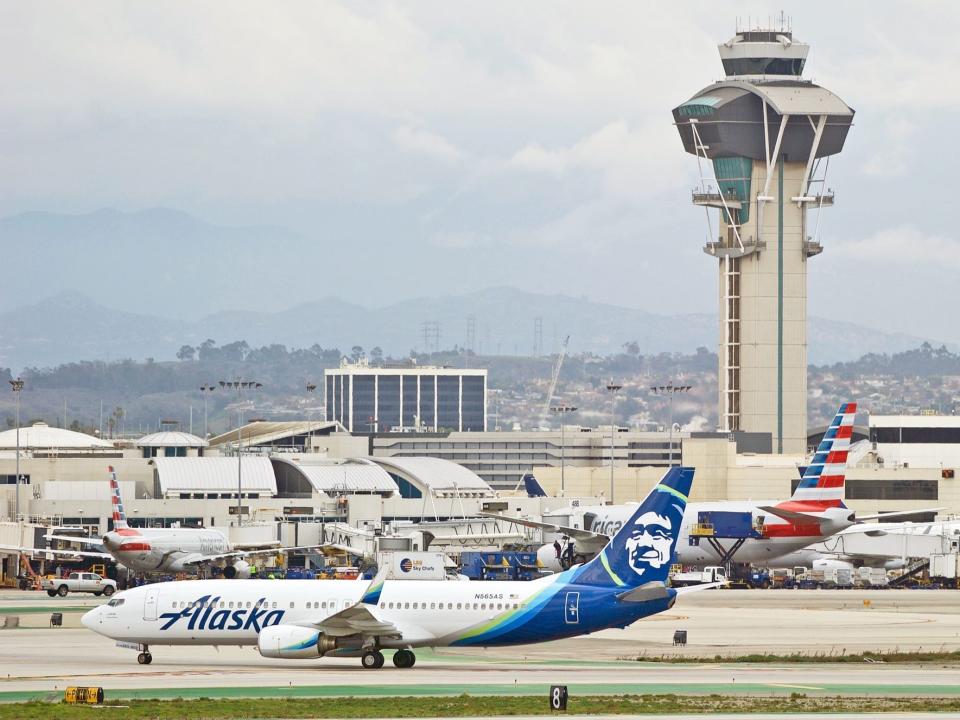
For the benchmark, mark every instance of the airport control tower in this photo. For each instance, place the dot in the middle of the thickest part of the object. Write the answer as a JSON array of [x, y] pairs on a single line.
[[763, 138]]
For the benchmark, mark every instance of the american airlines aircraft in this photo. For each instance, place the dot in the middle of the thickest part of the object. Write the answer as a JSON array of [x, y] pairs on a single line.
[[814, 512], [169, 550], [306, 619]]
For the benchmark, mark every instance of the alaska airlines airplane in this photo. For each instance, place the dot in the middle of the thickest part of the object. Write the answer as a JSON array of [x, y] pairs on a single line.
[[305, 619], [814, 512], [168, 550]]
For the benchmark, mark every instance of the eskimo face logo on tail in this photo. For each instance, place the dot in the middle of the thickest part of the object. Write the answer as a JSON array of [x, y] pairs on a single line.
[[206, 614], [648, 545]]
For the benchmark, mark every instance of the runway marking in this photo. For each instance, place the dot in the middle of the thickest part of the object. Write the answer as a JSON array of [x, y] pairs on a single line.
[[796, 687]]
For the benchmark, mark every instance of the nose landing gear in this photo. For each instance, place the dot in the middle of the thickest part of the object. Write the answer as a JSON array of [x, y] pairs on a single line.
[[145, 658]]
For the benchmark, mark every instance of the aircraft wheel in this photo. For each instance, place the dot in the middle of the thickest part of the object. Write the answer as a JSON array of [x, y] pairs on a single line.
[[144, 658], [372, 660], [404, 659]]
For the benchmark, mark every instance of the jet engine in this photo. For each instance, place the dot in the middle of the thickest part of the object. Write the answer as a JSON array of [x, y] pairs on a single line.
[[240, 569], [826, 563], [294, 642], [547, 558]]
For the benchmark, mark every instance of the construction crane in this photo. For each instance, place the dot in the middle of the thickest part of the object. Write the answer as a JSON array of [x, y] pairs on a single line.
[[553, 380]]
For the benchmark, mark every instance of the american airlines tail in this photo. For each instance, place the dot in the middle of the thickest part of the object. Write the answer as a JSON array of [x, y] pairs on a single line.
[[823, 480], [119, 516], [642, 550]]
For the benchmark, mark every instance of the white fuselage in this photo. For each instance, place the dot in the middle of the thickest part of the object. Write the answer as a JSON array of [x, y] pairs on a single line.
[[232, 612], [161, 550]]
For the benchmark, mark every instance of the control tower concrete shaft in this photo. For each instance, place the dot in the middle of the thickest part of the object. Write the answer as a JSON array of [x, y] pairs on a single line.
[[763, 138]]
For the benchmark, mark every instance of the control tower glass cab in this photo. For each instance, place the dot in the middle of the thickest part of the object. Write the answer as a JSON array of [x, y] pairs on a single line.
[[763, 54], [763, 138]]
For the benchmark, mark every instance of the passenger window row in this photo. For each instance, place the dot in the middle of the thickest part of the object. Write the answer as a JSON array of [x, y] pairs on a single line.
[[449, 606], [229, 605]]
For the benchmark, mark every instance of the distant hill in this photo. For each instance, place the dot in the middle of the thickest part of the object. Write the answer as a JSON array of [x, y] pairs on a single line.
[[70, 326]]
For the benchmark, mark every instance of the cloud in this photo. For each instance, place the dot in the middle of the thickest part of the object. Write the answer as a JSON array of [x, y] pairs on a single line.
[[630, 161], [428, 144], [901, 247], [460, 240], [891, 153]]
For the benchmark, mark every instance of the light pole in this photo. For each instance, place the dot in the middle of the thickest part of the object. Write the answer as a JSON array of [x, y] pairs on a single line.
[[562, 410], [17, 387], [670, 390], [613, 388], [206, 390], [240, 385], [310, 388]]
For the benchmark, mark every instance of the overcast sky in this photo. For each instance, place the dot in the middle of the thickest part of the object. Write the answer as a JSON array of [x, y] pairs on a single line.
[[440, 147]]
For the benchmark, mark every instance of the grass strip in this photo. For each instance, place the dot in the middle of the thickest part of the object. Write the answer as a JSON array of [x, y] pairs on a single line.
[[832, 657], [473, 706], [37, 610]]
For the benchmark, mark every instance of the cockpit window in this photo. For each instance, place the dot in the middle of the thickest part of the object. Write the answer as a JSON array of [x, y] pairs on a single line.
[[116, 602]]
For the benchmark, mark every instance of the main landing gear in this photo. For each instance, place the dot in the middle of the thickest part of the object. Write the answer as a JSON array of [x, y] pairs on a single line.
[[404, 659], [145, 658], [373, 659]]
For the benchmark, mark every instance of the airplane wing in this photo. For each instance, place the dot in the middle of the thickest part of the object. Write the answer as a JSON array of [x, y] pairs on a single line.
[[897, 513], [792, 516], [568, 531], [358, 619], [72, 553], [240, 554], [71, 538]]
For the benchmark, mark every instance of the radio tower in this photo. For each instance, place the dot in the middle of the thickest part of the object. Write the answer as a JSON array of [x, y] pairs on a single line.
[[763, 138]]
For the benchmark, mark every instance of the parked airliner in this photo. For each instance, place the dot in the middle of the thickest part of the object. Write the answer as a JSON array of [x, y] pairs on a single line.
[[814, 512], [169, 550], [297, 619]]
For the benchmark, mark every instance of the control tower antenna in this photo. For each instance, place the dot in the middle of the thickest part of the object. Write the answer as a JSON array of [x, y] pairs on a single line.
[[763, 137]]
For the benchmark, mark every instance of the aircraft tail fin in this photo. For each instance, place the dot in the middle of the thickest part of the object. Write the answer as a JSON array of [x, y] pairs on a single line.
[[532, 487], [119, 516], [823, 479], [642, 550]]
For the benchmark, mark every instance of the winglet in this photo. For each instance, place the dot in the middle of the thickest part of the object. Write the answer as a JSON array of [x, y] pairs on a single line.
[[533, 488], [371, 595]]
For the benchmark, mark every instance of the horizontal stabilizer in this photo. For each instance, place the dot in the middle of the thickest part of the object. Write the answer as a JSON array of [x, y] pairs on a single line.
[[648, 591], [791, 516], [697, 588]]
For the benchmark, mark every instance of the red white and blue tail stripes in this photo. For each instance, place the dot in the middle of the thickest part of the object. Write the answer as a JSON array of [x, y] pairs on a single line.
[[119, 516], [823, 480]]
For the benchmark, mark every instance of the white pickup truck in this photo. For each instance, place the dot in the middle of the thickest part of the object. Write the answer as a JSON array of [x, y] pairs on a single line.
[[79, 582]]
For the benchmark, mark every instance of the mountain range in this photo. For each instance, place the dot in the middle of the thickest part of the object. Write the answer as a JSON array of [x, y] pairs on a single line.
[[70, 326]]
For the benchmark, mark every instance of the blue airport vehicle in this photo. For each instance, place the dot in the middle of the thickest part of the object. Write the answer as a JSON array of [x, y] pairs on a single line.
[[507, 565]]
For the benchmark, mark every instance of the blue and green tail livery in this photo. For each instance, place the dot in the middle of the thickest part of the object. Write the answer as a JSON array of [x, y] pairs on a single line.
[[643, 548]]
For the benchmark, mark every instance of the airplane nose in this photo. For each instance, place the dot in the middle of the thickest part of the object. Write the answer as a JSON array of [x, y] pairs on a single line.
[[90, 619]]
